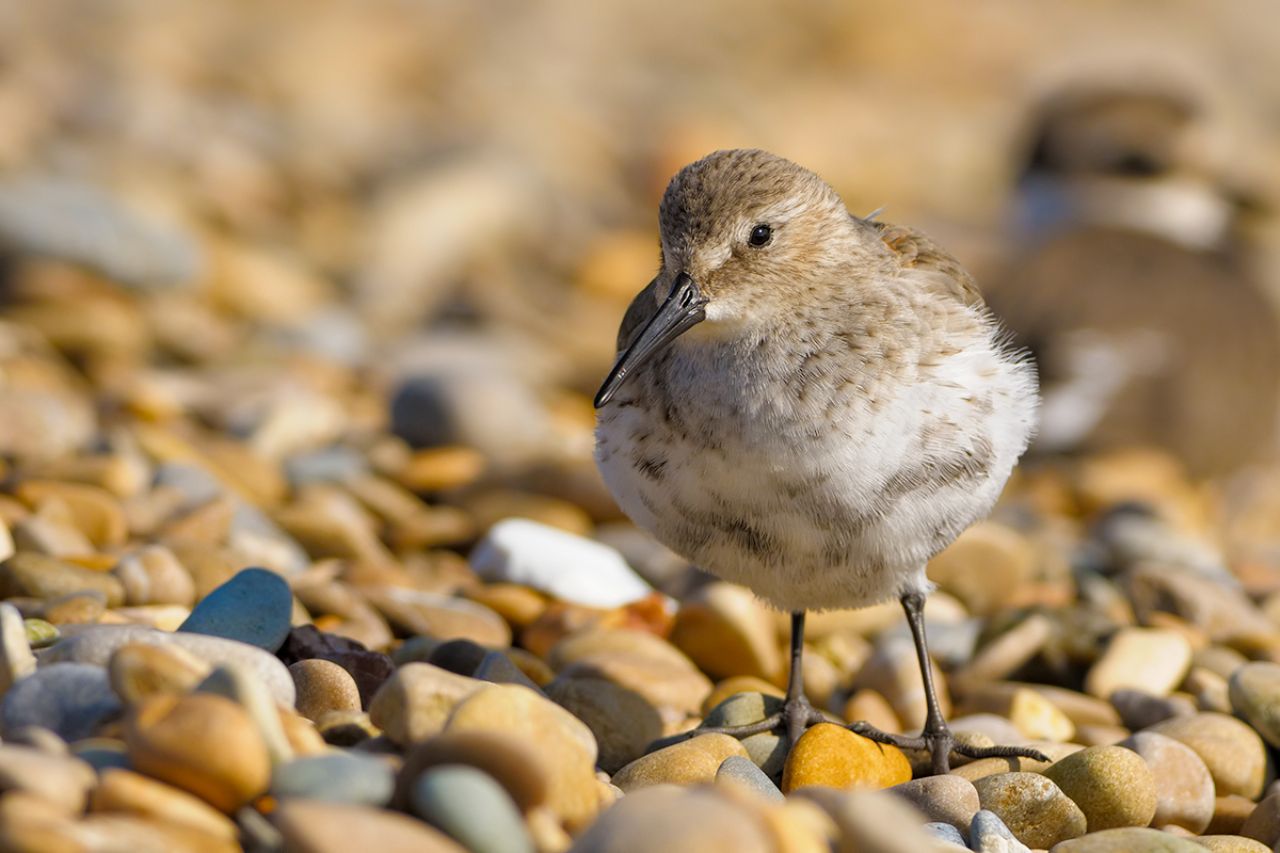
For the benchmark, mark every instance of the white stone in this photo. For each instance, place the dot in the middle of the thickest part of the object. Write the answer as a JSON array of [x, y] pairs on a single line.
[[16, 659], [558, 563]]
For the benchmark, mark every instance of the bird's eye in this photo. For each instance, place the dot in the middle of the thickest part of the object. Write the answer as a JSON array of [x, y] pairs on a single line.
[[760, 235]]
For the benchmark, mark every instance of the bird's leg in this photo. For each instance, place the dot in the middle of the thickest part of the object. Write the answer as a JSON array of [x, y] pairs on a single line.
[[936, 736]]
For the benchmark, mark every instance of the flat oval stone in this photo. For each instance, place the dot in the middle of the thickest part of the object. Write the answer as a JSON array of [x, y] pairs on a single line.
[[1153, 660], [1184, 787], [469, 806], [1112, 785], [1254, 690], [319, 827], [832, 755], [736, 770], [1033, 807], [505, 757], [71, 699], [41, 576], [414, 703], [687, 763], [669, 819], [336, 777], [946, 798], [132, 793], [1233, 752], [1129, 840], [254, 607]]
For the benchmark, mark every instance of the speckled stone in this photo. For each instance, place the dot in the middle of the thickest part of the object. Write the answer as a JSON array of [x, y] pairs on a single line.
[[832, 755], [1112, 785], [1184, 788], [947, 798], [1033, 807], [1129, 839], [1233, 752], [322, 687]]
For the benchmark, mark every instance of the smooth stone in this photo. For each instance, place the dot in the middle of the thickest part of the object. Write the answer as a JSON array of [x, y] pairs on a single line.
[[739, 684], [1034, 716], [983, 567], [102, 753], [60, 780], [623, 721], [946, 798], [736, 770], [568, 567], [153, 575], [727, 631], [515, 764], [254, 607], [982, 767], [1254, 691], [497, 668], [1153, 660], [1036, 810], [565, 746], [469, 806], [686, 763], [336, 777], [442, 617], [94, 511], [1184, 787], [988, 834], [893, 671], [322, 687], [39, 737], [1130, 839], [29, 574], [96, 644], [638, 661], [1229, 814], [124, 791], [1232, 844], [867, 819], [77, 608], [1112, 785], [742, 709], [16, 658], [1263, 823], [460, 655], [768, 751], [241, 686], [414, 703], [50, 532], [69, 698], [946, 832], [1139, 710], [315, 826], [670, 819], [139, 671], [831, 755], [204, 744], [1233, 752], [40, 634], [369, 669]]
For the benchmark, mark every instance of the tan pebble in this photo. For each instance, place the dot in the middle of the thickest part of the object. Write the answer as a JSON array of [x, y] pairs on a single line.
[[415, 701], [519, 605], [312, 826], [153, 575], [623, 722], [41, 576], [1229, 814], [440, 616], [546, 832], [644, 664], [515, 764], [1007, 653], [1233, 752], [61, 781], [666, 818], [534, 667], [139, 671], [323, 686], [1232, 844], [832, 755], [301, 734], [1184, 788], [984, 566], [1129, 839], [868, 706], [1263, 823], [738, 684], [1081, 708], [871, 820], [1112, 785], [94, 511], [76, 608], [1153, 660], [437, 469], [51, 532], [946, 798], [165, 617], [16, 658], [686, 763], [345, 728], [1036, 810], [1034, 716], [975, 770], [726, 630], [201, 743], [125, 791], [821, 679], [6, 541], [1254, 693]]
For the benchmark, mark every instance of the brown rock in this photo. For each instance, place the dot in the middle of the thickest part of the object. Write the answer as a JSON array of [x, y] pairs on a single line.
[[726, 630], [687, 763], [984, 566], [139, 671], [949, 799], [1184, 788], [323, 686], [125, 791], [415, 702], [1033, 807], [312, 826], [623, 721], [1233, 752]]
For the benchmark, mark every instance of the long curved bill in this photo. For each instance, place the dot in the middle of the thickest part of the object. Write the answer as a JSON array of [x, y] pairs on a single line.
[[683, 309]]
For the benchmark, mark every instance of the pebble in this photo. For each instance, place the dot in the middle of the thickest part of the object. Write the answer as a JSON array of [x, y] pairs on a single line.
[[205, 744], [242, 687], [1254, 691], [984, 566], [1184, 788], [16, 658], [1153, 660], [946, 832], [1229, 814], [1113, 786], [727, 631], [254, 607], [470, 807], [669, 819], [1263, 823], [1036, 810], [568, 567], [62, 781], [832, 755], [1033, 716], [988, 834], [153, 575], [565, 746], [637, 661], [946, 798], [439, 616], [316, 826], [515, 764], [1233, 752], [124, 791], [96, 644], [335, 777], [623, 721], [1139, 709], [893, 672], [41, 576], [322, 687], [77, 608], [139, 671], [686, 763], [416, 700], [95, 512], [1129, 840], [871, 820], [1232, 844], [69, 698], [737, 770]]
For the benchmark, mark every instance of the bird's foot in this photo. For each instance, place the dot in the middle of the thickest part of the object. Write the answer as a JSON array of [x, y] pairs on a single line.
[[796, 716], [940, 743]]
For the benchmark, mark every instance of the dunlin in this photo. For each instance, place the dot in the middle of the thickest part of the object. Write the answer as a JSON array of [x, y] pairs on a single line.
[[810, 404]]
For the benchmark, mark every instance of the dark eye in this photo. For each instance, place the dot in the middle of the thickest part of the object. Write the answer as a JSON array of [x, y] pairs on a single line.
[[760, 235]]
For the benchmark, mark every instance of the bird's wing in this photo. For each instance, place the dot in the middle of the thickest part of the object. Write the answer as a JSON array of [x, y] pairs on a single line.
[[639, 313], [916, 251]]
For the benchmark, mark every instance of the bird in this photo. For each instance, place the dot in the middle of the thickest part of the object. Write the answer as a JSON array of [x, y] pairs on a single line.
[[810, 404]]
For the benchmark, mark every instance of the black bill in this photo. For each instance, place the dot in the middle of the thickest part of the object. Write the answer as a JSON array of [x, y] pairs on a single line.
[[685, 308]]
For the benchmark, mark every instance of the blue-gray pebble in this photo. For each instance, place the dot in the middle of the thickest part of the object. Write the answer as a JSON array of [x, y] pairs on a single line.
[[339, 777], [72, 699], [253, 607], [744, 771], [988, 834], [946, 832], [471, 807]]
